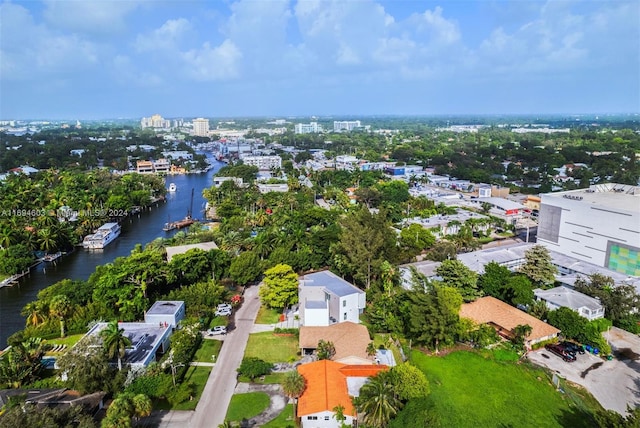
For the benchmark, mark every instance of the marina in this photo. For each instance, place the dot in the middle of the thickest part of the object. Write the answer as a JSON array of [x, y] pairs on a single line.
[[141, 228]]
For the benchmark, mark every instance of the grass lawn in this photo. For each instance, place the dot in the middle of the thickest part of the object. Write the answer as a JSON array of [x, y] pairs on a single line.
[[207, 348], [267, 316], [247, 405], [471, 390], [197, 375], [272, 348], [283, 420], [69, 340], [268, 379], [216, 321]]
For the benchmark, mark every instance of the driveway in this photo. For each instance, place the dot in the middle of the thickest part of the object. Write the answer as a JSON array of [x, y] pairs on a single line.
[[615, 384], [212, 407]]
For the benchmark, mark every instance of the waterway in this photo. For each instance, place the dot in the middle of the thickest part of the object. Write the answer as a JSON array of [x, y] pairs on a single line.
[[80, 264]]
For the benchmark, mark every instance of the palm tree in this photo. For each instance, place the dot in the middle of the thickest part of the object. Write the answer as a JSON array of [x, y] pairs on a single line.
[[34, 312], [115, 342], [293, 386], [378, 401], [60, 307], [141, 405]]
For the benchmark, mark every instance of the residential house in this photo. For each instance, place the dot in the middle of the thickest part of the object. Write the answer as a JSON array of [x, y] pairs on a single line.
[[326, 299], [505, 318], [565, 297], [165, 312], [331, 384], [349, 339]]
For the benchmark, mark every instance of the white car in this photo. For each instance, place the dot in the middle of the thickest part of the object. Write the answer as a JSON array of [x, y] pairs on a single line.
[[223, 312], [224, 306], [217, 330]]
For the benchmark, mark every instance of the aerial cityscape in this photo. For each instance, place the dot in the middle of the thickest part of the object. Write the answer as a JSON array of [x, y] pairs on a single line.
[[319, 213]]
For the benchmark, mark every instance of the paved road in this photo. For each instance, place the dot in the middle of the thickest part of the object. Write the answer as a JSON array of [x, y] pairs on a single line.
[[217, 393]]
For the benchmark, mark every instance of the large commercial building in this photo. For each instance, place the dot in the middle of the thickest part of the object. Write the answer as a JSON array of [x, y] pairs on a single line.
[[345, 125], [599, 225], [307, 128], [155, 121], [201, 127], [264, 163]]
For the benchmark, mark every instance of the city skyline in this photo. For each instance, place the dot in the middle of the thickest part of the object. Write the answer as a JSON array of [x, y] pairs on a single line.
[[96, 60]]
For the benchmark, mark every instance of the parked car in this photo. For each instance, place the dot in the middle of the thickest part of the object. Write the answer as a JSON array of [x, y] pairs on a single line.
[[572, 348], [224, 306], [560, 352], [223, 312], [217, 330]]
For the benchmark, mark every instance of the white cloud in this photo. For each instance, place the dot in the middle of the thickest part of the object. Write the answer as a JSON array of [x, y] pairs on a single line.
[[30, 50], [126, 73], [102, 17], [165, 38], [212, 63]]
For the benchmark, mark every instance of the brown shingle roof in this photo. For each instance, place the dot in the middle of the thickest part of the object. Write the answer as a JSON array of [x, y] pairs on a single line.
[[491, 310], [350, 339]]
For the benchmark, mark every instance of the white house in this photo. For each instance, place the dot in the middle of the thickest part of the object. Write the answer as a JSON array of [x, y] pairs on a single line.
[[326, 299], [165, 312], [565, 297]]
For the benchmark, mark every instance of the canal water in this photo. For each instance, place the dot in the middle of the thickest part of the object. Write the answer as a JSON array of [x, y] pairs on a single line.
[[81, 263]]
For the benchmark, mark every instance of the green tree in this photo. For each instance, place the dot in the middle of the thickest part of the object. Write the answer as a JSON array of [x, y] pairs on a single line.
[[293, 386], [519, 291], [416, 237], [246, 268], [520, 334], [455, 274], [280, 287], [538, 266], [253, 367], [621, 302], [35, 313], [409, 382], [494, 280], [441, 306], [568, 321], [378, 401], [115, 342], [326, 350], [60, 307]]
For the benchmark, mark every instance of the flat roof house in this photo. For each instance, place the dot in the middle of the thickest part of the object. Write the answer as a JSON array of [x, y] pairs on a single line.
[[505, 318], [165, 312], [326, 299], [565, 297]]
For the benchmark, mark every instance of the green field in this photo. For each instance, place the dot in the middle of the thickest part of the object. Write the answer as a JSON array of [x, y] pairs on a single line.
[[197, 375], [272, 348], [471, 390], [246, 406], [208, 348], [283, 420]]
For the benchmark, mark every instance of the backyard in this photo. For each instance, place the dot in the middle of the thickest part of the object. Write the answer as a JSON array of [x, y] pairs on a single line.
[[479, 390]]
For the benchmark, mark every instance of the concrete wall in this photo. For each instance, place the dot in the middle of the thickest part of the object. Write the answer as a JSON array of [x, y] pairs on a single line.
[[323, 420]]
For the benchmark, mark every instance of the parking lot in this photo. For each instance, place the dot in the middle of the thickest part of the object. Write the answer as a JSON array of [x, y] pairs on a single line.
[[615, 384]]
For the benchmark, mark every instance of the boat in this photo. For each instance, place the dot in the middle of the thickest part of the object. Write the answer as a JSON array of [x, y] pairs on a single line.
[[106, 234], [173, 187], [187, 221]]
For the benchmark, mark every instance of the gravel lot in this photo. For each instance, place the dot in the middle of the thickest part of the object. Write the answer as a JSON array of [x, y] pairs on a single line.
[[615, 384]]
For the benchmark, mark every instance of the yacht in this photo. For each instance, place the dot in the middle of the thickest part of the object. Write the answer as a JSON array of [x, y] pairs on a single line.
[[107, 233], [173, 187]]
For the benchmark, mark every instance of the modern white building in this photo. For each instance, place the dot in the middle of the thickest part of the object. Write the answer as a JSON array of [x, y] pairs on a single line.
[[599, 225], [264, 163], [326, 299], [166, 313], [346, 125], [200, 127], [307, 128]]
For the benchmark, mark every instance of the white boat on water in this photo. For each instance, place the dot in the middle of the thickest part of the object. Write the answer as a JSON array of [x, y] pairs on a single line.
[[173, 187], [106, 234]]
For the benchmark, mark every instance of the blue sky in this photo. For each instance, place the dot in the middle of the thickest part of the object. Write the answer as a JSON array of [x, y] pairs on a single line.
[[109, 59]]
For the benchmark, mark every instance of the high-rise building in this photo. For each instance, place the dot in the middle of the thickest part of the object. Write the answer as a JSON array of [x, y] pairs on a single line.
[[308, 128], [600, 225], [201, 127], [346, 125], [156, 121]]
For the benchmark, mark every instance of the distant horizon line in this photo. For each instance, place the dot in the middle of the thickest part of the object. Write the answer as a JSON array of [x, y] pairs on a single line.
[[332, 116]]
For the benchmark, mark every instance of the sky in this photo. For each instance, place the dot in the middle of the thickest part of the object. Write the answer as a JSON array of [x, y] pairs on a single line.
[[280, 58]]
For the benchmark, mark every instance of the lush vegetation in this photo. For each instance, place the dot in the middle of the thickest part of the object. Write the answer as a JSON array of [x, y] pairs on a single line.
[[247, 405]]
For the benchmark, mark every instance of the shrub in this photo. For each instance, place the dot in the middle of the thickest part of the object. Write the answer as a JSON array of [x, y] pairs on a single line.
[[252, 368]]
